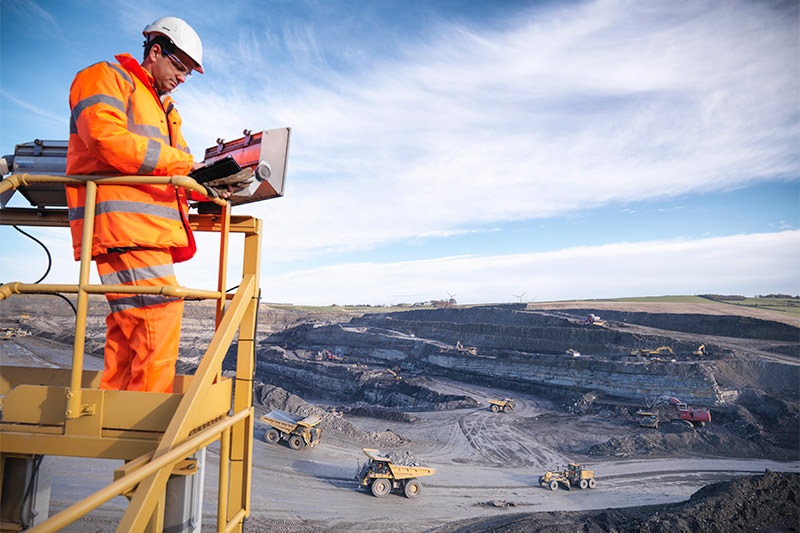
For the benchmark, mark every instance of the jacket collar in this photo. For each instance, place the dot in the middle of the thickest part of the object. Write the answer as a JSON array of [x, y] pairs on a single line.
[[131, 65]]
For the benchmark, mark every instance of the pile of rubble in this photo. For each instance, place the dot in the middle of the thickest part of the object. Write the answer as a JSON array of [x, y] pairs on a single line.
[[766, 502]]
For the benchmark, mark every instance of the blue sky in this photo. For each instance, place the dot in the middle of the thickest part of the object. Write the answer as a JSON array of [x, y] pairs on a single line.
[[587, 149]]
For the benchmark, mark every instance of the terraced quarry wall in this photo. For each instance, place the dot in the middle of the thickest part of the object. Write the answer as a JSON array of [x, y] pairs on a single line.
[[692, 382], [526, 350]]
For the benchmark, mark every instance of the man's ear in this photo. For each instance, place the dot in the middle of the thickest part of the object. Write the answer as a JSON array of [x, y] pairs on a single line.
[[155, 51]]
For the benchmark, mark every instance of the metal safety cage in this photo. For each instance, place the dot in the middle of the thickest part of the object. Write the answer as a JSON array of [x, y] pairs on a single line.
[[64, 412]]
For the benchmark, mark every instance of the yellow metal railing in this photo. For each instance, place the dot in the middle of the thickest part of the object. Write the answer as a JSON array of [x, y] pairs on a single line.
[[171, 427]]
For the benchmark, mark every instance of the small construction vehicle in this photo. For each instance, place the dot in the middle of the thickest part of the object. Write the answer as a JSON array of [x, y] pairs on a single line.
[[647, 419], [381, 476], [661, 350], [393, 373], [327, 355], [572, 474], [298, 431], [700, 351], [594, 320], [505, 405], [696, 416], [471, 350]]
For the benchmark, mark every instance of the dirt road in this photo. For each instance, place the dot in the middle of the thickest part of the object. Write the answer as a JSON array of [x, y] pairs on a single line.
[[486, 464], [315, 490]]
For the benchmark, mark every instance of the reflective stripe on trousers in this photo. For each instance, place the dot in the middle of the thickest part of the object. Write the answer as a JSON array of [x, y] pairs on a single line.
[[144, 330]]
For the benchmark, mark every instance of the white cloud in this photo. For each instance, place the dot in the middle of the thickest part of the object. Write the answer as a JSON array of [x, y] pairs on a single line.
[[608, 101], [740, 264], [59, 119]]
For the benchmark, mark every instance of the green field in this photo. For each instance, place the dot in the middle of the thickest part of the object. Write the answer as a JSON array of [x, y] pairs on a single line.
[[790, 306]]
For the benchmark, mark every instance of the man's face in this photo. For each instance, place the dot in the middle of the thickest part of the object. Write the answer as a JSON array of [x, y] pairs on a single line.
[[169, 69]]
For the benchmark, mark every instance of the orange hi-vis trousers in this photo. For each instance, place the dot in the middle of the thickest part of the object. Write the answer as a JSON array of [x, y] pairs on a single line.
[[144, 330]]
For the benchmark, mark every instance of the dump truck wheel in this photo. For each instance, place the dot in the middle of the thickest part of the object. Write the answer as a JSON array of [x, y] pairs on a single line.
[[296, 442], [412, 488], [553, 485], [380, 487], [272, 436], [495, 408], [592, 483], [541, 480], [584, 483], [507, 408]]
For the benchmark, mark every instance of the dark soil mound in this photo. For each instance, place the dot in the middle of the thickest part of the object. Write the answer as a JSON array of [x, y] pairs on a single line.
[[767, 502]]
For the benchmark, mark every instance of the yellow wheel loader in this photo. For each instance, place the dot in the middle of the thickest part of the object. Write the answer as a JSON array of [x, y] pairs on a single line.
[[573, 474]]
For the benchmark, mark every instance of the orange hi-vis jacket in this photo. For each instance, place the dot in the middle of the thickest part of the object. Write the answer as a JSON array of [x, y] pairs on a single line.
[[119, 126]]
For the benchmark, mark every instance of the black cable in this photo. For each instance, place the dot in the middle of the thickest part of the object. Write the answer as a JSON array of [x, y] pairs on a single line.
[[49, 265], [49, 259], [74, 310], [37, 461]]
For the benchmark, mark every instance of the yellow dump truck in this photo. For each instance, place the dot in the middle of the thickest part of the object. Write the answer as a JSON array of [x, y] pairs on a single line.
[[298, 431], [381, 476], [647, 419], [505, 405]]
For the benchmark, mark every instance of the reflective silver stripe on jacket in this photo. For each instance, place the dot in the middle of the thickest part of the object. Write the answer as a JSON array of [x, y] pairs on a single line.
[[137, 274], [145, 130], [121, 71], [139, 300], [127, 206], [150, 157], [90, 101]]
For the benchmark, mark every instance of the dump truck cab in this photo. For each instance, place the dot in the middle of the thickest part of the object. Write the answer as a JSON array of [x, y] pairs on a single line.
[[297, 431]]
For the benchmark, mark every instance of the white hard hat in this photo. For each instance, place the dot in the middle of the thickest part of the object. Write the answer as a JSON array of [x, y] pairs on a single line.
[[181, 34]]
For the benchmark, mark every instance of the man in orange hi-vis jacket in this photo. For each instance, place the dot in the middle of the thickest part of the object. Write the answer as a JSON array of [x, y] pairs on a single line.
[[124, 122]]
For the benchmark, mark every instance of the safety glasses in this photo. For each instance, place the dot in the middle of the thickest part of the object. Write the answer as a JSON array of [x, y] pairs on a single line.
[[183, 69]]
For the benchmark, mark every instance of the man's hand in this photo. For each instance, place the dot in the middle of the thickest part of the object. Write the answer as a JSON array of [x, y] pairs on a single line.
[[211, 192], [234, 182]]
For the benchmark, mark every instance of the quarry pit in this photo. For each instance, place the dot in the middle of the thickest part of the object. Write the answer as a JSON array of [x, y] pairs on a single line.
[[420, 380]]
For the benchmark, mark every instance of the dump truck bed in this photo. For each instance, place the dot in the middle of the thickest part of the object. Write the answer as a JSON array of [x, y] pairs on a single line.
[[404, 472], [287, 422], [399, 471]]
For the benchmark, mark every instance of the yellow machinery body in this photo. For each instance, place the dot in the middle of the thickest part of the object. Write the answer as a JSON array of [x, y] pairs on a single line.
[[381, 475], [647, 419], [572, 475], [298, 431], [506, 405], [47, 411]]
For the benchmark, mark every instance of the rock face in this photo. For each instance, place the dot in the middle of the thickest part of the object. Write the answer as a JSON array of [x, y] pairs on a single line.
[[767, 502], [532, 350]]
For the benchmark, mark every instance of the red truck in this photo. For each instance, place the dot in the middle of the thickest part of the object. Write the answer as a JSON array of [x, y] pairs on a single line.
[[697, 416]]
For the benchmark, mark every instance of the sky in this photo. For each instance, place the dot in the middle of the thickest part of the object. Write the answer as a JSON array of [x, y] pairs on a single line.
[[488, 151]]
